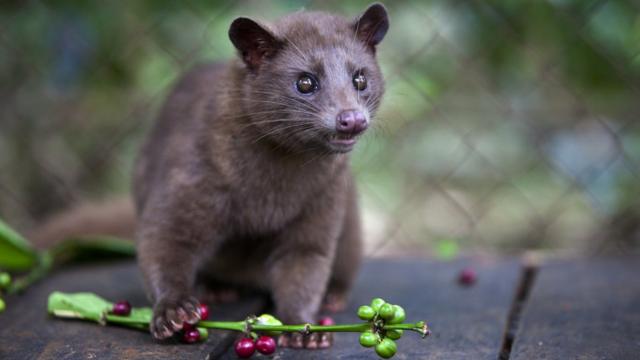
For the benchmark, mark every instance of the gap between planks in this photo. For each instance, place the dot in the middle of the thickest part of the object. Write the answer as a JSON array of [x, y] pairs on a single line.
[[528, 274], [527, 278]]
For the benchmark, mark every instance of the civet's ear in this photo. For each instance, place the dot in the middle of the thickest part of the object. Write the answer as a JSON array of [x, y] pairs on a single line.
[[372, 25], [255, 44]]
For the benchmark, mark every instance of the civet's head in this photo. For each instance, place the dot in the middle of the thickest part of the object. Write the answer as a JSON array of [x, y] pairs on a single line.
[[312, 79]]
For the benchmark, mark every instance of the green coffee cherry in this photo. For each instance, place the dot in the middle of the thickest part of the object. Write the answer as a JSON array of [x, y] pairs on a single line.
[[204, 333], [386, 348], [377, 303], [398, 315], [5, 280], [394, 334], [386, 311], [366, 312], [368, 339], [267, 319], [2, 305]]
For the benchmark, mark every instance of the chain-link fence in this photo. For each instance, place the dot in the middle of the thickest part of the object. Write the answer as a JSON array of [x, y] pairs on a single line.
[[507, 125]]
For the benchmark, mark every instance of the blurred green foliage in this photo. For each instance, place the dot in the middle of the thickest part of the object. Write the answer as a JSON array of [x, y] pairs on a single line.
[[506, 125]]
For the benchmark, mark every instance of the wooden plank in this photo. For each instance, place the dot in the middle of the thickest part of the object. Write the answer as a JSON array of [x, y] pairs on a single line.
[[467, 323], [27, 332], [582, 309]]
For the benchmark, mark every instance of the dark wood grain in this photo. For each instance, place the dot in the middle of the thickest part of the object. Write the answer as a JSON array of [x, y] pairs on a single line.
[[582, 309], [27, 332], [467, 323]]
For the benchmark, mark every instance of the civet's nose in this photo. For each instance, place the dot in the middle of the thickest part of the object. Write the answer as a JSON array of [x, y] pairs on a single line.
[[351, 122]]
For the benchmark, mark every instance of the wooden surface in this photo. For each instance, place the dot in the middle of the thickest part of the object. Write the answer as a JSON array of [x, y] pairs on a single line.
[[467, 322], [586, 309], [27, 332], [576, 309]]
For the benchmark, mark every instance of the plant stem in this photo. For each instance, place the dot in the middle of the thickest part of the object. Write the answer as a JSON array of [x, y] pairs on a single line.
[[43, 267], [66, 251], [222, 325], [420, 327], [314, 328], [241, 326], [357, 328]]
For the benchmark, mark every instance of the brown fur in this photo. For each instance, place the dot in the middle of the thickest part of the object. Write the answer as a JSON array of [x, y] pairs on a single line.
[[227, 187], [239, 180]]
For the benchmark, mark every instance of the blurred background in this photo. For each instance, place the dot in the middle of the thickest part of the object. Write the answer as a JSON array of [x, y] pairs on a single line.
[[507, 125]]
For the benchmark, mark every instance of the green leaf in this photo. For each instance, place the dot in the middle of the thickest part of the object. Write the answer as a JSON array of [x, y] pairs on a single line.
[[15, 251], [89, 306], [86, 306], [91, 248]]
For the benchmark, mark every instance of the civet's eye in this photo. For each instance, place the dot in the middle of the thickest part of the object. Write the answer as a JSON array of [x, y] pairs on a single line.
[[306, 84], [359, 81]]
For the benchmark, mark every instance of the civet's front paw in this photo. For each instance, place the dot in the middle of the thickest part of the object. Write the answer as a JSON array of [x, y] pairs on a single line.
[[169, 316]]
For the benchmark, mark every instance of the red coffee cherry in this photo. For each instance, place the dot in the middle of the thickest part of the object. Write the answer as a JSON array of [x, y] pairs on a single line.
[[245, 348], [204, 312], [121, 308], [467, 277], [266, 345], [191, 336]]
